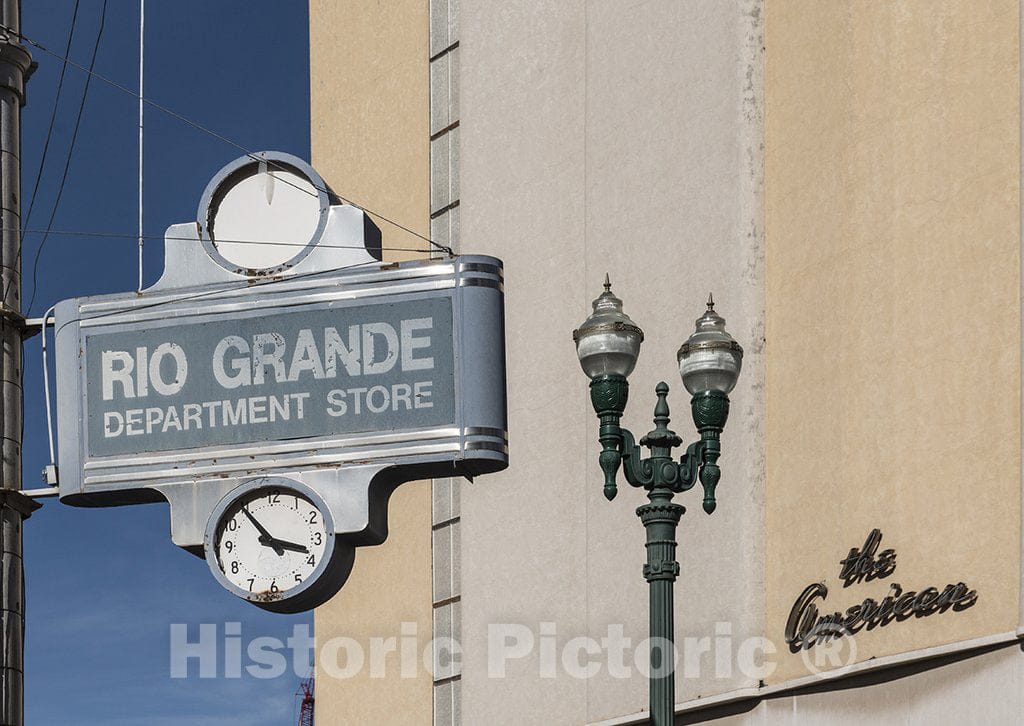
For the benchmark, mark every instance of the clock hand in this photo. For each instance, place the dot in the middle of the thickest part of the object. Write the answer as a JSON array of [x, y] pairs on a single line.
[[266, 539], [286, 545], [263, 531]]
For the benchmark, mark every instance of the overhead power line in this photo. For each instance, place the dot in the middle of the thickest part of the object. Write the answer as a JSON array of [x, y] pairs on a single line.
[[67, 161], [248, 152], [53, 117], [273, 243], [46, 144]]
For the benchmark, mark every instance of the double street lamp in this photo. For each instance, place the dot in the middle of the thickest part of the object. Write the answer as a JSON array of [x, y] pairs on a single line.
[[608, 345]]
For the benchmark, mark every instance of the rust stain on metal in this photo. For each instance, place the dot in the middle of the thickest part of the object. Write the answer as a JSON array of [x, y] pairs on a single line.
[[267, 596]]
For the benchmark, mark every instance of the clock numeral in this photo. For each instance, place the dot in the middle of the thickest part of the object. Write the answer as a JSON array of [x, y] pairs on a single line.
[[273, 586], [232, 525], [234, 567], [311, 560], [317, 538], [275, 496], [298, 578], [251, 581], [312, 518], [229, 545]]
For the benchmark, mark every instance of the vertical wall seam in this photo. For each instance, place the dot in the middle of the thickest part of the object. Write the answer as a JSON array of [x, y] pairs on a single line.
[[586, 257], [443, 138], [1020, 322]]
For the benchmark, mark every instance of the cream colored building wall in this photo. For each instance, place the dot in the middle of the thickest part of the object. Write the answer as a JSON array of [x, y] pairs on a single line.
[[591, 139], [893, 315], [369, 111], [599, 138], [370, 141]]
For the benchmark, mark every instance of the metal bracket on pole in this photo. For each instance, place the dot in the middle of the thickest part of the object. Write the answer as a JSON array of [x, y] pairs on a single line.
[[34, 326], [29, 327], [41, 493], [19, 502], [12, 316]]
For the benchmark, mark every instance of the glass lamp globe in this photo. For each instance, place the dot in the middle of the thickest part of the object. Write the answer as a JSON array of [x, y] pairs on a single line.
[[710, 360], [608, 342]]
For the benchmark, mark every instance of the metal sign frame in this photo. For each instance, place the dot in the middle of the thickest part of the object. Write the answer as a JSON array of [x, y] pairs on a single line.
[[474, 442], [353, 472]]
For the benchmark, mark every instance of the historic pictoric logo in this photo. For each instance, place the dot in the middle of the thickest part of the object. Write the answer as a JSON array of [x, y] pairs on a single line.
[[807, 627]]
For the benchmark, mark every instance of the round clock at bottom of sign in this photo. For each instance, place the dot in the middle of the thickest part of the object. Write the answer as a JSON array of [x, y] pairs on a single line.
[[271, 541]]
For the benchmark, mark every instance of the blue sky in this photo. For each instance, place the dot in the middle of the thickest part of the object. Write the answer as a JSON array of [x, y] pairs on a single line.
[[104, 585]]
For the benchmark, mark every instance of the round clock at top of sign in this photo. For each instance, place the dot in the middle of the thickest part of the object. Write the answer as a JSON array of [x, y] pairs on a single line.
[[263, 213], [271, 541]]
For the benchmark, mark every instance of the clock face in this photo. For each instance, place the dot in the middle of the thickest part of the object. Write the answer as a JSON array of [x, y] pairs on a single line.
[[270, 541], [264, 220], [263, 213]]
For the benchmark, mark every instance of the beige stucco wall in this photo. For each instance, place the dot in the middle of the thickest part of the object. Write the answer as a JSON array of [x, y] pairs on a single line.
[[369, 111], [887, 287], [597, 138], [370, 142], [893, 317]]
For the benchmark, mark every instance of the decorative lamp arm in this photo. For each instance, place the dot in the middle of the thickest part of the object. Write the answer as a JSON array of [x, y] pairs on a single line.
[[609, 394], [689, 465], [709, 476], [639, 472], [710, 411]]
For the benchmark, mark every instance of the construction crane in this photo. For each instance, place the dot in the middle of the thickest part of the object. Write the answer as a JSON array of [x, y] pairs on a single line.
[[306, 707]]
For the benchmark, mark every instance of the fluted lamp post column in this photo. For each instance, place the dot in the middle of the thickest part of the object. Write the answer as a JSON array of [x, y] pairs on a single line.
[[608, 345]]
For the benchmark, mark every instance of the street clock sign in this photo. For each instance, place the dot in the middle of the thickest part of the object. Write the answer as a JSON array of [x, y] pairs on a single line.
[[279, 381]]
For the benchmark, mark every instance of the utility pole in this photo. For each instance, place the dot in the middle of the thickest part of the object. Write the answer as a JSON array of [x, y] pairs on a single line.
[[15, 67]]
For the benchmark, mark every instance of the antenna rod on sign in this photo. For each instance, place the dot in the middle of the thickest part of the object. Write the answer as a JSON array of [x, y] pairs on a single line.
[[142, 55]]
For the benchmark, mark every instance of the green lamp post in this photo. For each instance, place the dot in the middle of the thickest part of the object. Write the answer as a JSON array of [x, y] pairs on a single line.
[[608, 344]]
